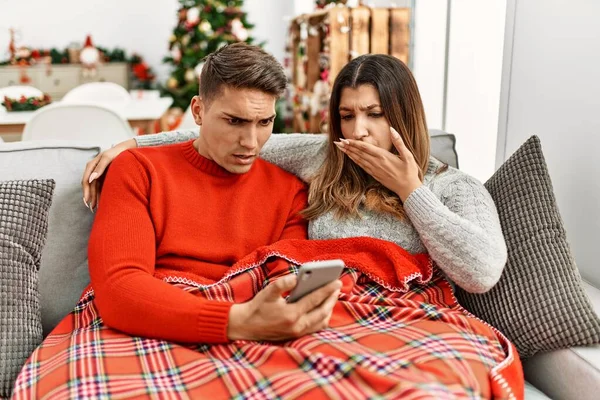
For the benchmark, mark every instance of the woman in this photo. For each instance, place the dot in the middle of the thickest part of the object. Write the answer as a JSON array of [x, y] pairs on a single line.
[[378, 200]]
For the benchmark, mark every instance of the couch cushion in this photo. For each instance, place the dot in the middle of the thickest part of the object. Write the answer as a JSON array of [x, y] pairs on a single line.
[[63, 273], [554, 372], [539, 302], [443, 147], [24, 209], [533, 393]]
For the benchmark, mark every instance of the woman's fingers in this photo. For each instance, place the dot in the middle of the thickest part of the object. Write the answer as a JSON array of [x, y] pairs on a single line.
[[399, 144], [365, 160], [364, 147], [101, 166], [94, 194], [89, 168]]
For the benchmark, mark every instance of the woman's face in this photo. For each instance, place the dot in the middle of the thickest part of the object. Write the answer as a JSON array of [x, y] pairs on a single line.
[[362, 117]]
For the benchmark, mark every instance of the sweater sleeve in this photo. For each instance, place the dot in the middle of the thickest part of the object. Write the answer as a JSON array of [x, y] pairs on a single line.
[[298, 153], [122, 251], [296, 226], [160, 139], [461, 232]]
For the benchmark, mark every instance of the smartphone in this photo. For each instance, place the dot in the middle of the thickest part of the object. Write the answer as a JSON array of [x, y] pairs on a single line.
[[313, 275]]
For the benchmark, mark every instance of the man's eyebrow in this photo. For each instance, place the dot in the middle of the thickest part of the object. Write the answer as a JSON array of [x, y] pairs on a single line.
[[236, 117], [369, 107], [244, 119]]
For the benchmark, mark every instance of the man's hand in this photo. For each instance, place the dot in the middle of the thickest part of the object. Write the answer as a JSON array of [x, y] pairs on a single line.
[[269, 317], [96, 167]]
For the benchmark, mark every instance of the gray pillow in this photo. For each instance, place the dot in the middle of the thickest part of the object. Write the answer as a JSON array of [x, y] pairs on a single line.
[[539, 302], [443, 147], [24, 209]]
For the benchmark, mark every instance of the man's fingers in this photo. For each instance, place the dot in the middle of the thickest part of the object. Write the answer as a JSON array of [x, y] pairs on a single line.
[[312, 300], [319, 317], [275, 290]]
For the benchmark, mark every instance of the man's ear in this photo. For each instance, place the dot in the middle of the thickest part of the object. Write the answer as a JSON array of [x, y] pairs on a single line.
[[197, 106]]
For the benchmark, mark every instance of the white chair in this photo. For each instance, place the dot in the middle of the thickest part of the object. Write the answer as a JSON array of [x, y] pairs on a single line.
[[15, 92], [86, 122], [104, 93], [187, 121]]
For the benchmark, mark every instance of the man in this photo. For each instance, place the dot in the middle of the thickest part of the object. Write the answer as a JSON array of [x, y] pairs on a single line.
[[187, 212]]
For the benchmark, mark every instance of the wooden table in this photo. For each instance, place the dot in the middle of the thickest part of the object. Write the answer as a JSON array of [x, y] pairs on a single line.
[[140, 114]]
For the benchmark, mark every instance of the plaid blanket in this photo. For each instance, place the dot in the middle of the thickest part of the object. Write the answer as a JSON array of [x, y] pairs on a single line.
[[396, 332]]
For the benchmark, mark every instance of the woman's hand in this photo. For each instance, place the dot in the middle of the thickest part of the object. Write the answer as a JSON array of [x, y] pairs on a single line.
[[399, 173], [269, 317], [96, 167]]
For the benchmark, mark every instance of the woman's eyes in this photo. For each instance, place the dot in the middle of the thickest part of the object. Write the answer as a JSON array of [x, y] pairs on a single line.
[[350, 116]]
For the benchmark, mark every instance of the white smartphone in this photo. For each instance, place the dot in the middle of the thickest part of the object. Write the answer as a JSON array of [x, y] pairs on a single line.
[[313, 275]]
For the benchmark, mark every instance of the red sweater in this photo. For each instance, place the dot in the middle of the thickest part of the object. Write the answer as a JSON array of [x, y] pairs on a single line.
[[168, 211]]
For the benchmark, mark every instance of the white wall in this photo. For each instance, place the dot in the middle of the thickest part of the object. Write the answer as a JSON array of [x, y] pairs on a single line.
[[135, 25], [476, 41], [271, 22], [429, 57], [552, 89]]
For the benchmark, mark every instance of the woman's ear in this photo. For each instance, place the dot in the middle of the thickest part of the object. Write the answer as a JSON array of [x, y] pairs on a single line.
[[197, 106]]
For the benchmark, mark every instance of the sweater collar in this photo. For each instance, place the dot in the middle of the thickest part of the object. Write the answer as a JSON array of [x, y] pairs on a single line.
[[204, 164]]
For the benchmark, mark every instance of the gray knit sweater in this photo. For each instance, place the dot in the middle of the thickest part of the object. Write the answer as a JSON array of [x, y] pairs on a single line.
[[452, 216]]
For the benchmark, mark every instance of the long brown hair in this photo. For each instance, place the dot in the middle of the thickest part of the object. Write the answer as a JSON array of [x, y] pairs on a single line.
[[340, 184]]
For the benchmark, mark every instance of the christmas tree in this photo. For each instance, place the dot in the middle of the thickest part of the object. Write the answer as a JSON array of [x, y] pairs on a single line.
[[203, 26]]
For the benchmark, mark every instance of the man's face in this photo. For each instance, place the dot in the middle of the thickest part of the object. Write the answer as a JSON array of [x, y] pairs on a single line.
[[235, 126]]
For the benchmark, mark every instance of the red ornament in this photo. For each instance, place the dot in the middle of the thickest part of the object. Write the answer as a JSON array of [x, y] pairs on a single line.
[[88, 41], [141, 72]]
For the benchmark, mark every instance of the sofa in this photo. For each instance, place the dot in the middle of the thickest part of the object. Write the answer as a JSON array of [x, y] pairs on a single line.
[[569, 373]]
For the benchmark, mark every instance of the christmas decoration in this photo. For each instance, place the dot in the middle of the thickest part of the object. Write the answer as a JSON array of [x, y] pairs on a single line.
[[11, 44], [143, 76], [203, 26], [89, 57], [169, 121], [325, 3], [25, 103]]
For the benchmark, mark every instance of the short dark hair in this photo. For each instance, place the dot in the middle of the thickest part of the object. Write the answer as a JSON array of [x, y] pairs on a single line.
[[241, 66]]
